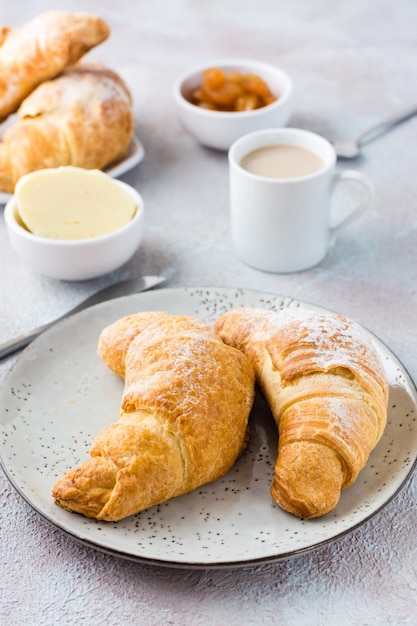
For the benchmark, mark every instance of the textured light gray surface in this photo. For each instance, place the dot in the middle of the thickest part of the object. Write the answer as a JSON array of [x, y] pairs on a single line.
[[352, 64]]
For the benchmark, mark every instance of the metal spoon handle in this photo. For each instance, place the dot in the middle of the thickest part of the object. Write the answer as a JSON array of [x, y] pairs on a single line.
[[123, 288], [383, 127], [8, 347]]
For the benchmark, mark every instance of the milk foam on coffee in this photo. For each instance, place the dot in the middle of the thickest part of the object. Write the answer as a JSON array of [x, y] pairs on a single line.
[[282, 161]]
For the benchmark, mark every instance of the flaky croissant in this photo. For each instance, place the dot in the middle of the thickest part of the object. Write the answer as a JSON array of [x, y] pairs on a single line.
[[82, 118], [40, 49], [183, 419], [327, 391]]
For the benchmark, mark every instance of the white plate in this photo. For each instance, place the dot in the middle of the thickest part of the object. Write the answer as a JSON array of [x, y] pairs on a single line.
[[59, 395], [135, 155]]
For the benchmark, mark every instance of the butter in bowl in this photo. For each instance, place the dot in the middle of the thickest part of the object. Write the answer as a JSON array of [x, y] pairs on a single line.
[[74, 224]]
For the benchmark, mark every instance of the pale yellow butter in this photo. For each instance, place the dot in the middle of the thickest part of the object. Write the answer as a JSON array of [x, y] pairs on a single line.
[[72, 203]]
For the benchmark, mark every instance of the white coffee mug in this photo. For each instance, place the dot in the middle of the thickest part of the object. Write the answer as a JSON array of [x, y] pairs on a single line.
[[284, 224]]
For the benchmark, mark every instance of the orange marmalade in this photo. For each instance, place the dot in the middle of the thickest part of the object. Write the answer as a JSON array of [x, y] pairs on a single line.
[[232, 91]]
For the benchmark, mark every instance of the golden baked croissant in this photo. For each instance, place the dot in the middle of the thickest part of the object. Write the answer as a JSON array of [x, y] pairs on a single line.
[[41, 49], [82, 118], [183, 419], [327, 391]]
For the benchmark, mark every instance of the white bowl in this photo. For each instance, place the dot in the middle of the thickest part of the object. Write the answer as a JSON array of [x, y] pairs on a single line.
[[219, 129], [79, 259]]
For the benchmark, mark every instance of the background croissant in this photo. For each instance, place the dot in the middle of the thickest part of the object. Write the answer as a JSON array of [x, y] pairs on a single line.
[[41, 49], [82, 118], [183, 419], [327, 390]]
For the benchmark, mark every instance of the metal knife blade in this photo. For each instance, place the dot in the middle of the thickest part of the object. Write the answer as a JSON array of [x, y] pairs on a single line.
[[123, 288]]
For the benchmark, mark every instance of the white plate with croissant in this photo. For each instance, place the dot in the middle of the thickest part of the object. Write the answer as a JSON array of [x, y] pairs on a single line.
[[59, 108], [60, 402]]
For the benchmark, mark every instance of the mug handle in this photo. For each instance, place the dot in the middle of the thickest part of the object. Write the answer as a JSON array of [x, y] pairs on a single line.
[[364, 204]]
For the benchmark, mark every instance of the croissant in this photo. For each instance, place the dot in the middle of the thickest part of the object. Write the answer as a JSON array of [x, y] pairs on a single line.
[[82, 118], [41, 49], [183, 419], [327, 391]]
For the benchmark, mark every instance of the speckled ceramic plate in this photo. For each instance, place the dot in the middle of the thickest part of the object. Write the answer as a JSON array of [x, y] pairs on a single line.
[[135, 155], [59, 395]]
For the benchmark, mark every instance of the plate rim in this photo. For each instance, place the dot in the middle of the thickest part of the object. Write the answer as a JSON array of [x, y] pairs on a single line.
[[198, 564]]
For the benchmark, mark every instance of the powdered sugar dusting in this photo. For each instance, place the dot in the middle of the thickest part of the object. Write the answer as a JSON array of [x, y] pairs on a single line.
[[335, 340], [181, 364], [74, 88]]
